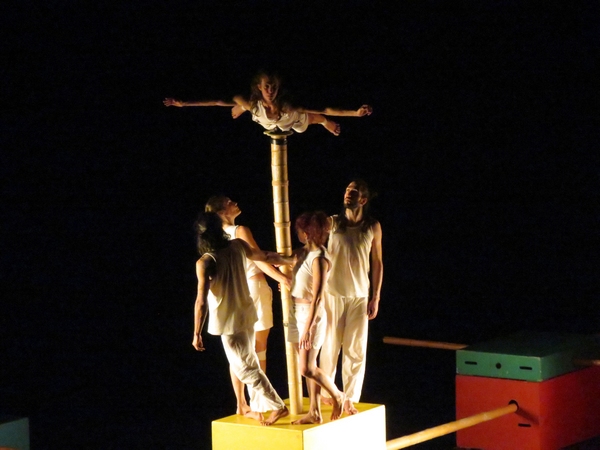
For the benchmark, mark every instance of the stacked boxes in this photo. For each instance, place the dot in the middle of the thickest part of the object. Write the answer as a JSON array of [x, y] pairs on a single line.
[[559, 402]]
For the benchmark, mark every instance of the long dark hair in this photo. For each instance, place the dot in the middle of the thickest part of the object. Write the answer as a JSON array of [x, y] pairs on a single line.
[[210, 235], [341, 221]]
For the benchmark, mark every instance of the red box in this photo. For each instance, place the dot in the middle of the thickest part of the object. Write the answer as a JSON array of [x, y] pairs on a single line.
[[552, 414]]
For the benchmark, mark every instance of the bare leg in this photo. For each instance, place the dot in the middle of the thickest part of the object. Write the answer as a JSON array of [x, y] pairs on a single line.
[[333, 127], [260, 345], [308, 362], [275, 416], [314, 410], [238, 389], [330, 125]]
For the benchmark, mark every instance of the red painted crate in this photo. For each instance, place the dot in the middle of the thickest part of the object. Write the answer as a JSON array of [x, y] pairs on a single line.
[[552, 414]]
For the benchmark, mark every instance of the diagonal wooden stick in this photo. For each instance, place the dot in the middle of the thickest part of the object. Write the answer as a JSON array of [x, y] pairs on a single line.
[[450, 346], [418, 343], [451, 427]]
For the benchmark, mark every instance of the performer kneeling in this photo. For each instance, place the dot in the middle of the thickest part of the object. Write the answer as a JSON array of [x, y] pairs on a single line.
[[308, 322], [221, 270]]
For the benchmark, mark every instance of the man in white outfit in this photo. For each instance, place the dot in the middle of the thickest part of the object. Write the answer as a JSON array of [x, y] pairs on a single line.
[[355, 250]]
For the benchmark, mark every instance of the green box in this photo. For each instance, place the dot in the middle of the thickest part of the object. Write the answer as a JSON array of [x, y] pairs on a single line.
[[527, 356], [14, 432]]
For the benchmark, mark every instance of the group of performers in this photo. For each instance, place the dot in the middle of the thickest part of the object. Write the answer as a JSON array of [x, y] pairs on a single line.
[[333, 296], [333, 300]]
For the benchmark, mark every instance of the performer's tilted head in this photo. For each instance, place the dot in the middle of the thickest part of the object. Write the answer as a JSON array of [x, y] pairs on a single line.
[[210, 235]]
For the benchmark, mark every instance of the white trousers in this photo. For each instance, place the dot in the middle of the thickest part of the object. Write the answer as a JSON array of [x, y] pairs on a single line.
[[239, 349], [347, 329]]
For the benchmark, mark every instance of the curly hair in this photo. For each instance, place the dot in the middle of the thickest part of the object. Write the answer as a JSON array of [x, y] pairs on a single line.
[[210, 235], [315, 225]]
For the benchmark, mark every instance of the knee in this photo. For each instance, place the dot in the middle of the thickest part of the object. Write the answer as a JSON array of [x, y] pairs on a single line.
[[304, 370], [308, 371]]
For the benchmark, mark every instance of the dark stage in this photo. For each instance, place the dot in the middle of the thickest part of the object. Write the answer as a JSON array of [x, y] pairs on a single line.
[[482, 147]]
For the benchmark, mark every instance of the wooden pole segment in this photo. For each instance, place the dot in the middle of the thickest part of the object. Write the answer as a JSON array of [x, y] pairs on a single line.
[[586, 362], [451, 427], [283, 239], [418, 343]]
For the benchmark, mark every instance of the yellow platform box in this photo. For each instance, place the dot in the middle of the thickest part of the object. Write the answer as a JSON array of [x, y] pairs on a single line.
[[362, 431]]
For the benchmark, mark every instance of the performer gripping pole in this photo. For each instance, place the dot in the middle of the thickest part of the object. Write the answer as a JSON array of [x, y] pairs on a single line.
[[283, 241]]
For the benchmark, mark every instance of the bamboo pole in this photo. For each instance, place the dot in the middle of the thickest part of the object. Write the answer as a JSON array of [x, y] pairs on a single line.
[[418, 343], [586, 362], [283, 238], [451, 427]]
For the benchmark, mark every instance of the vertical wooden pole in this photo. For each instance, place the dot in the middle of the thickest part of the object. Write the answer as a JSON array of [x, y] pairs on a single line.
[[283, 238]]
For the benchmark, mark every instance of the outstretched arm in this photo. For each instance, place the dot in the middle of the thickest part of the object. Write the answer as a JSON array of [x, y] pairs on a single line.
[[180, 104], [203, 266], [364, 110], [376, 271], [256, 254], [245, 234]]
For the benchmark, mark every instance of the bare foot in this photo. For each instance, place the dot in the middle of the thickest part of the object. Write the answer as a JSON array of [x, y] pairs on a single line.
[[254, 415], [332, 127], [242, 409], [326, 400], [275, 416], [338, 407], [311, 417], [349, 407]]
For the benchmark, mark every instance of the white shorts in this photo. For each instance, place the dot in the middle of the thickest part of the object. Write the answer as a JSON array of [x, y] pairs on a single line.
[[262, 295], [299, 316]]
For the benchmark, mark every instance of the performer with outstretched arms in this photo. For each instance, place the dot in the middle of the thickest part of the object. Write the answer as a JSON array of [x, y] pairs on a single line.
[[307, 324], [269, 108], [355, 250], [221, 270], [260, 292]]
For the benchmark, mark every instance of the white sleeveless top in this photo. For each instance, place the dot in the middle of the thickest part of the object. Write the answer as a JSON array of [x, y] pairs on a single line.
[[230, 307], [251, 268], [285, 122], [349, 252], [302, 282]]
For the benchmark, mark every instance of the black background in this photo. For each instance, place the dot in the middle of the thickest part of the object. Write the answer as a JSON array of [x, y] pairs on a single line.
[[482, 147]]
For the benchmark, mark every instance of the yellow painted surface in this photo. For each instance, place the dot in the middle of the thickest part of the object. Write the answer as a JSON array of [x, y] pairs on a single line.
[[363, 431]]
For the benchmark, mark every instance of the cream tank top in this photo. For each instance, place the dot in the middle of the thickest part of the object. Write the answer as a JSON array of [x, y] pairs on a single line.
[[349, 253], [230, 307], [251, 268], [302, 281]]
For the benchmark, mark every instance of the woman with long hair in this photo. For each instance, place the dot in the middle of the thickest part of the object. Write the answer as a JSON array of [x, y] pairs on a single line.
[[221, 270], [260, 291]]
